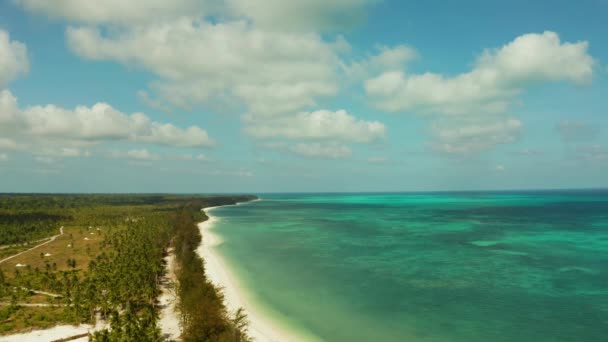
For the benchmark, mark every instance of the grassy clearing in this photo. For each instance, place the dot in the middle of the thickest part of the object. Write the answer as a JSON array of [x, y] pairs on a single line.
[[7, 251], [77, 243], [19, 319]]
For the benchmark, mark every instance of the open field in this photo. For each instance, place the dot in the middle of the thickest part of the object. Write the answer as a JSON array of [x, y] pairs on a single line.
[[78, 243]]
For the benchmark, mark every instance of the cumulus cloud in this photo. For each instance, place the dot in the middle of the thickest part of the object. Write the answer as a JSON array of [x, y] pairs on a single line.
[[142, 154], [13, 60], [468, 136], [190, 157], [312, 150], [45, 160], [265, 58], [572, 131], [8, 144], [62, 152], [592, 153], [268, 72], [472, 106], [136, 154], [270, 60], [294, 15], [497, 77], [320, 150], [267, 55], [386, 59], [529, 152], [299, 15], [100, 122], [3, 157], [114, 11], [318, 125]]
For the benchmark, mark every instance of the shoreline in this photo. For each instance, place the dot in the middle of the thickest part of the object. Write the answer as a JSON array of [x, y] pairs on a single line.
[[261, 328]]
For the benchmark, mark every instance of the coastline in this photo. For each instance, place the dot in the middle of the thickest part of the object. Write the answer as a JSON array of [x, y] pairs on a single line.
[[261, 328]]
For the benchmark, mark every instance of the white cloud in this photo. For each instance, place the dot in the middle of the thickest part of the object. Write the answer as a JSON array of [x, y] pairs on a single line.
[[498, 76], [93, 124], [9, 111], [499, 168], [314, 15], [299, 15], [592, 153], [142, 154], [387, 59], [13, 60], [320, 150], [465, 137], [62, 152], [3, 157], [377, 160], [190, 157], [269, 72], [572, 131], [114, 11], [264, 58], [529, 152], [51, 155], [45, 160], [136, 154], [472, 106], [318, 125], [8, 144], [393, 58], [231, 173], [313, 150]]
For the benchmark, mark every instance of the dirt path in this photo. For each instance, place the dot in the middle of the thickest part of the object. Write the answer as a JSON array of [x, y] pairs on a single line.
[[54, 295], [31, 249]]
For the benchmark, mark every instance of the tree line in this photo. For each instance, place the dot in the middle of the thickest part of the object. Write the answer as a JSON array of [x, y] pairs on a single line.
[[203, 311]]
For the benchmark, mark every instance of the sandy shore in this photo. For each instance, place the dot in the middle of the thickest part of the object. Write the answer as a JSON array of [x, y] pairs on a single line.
[[55, 333], [261, 328], [169, 318]]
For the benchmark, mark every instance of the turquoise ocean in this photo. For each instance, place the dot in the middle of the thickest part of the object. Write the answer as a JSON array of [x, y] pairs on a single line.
[[475, 266]]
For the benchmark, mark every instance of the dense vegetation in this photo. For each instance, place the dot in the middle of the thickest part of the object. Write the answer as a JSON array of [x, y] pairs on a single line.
[[20, 227], [118, 280], [204, 314]]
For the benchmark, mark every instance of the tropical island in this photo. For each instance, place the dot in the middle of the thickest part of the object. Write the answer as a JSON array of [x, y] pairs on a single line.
[[109, 268]]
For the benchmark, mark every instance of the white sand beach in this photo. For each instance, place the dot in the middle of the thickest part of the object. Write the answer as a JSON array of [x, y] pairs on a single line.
[[169, 318], [261, 328], [55, 333]]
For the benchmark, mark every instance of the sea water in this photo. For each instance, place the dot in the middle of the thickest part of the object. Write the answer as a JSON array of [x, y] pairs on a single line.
[[503, 266]]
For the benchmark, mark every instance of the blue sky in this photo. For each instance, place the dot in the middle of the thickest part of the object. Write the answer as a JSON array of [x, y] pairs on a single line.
[[269, 96]]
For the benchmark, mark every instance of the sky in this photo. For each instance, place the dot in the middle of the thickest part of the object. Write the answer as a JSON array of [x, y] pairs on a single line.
[[209, 96]]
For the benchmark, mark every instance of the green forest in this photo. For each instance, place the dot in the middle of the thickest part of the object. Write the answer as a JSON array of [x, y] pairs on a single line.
[[115, 276]]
